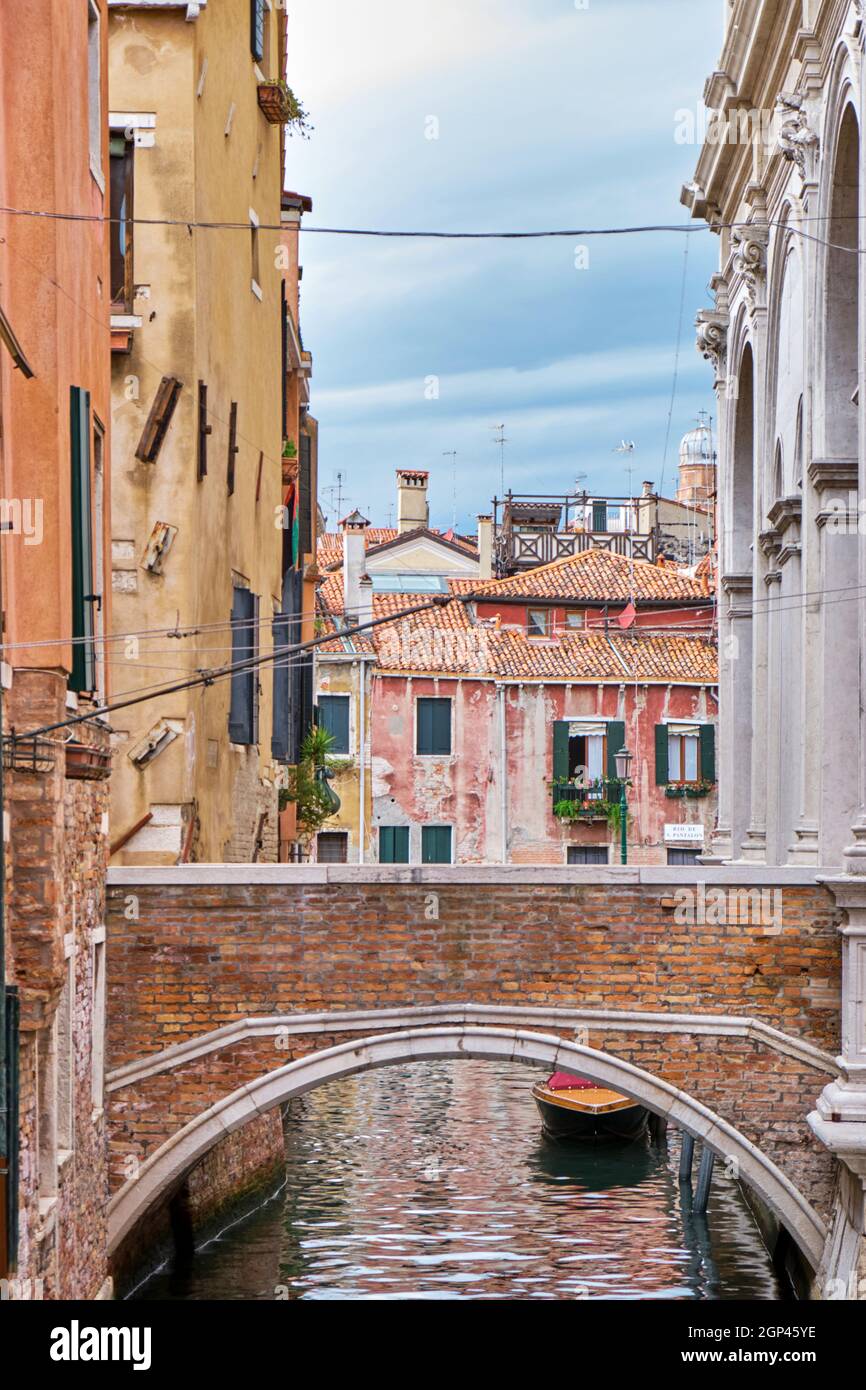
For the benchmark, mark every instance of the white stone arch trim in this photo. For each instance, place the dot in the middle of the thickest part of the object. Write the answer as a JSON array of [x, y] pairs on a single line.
[[785, 243], [842, 90], [167, 1166]]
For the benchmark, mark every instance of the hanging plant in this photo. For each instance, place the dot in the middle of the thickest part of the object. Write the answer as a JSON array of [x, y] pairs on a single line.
[[280, 106], [308, 784]]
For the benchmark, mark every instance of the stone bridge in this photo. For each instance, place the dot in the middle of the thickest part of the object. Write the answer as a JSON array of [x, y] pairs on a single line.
[[712, 995]]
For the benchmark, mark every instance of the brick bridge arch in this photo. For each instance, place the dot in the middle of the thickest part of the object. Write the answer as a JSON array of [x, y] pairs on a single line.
[[169, 1164], [223, 978]]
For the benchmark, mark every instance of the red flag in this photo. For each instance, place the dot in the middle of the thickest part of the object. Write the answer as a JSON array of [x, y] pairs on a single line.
[[627, 616]]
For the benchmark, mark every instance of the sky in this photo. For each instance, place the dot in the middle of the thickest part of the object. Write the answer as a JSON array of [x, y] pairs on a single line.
[[479, 115]]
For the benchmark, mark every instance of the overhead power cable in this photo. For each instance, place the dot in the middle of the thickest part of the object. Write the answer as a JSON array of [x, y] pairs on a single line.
[[208, 678]]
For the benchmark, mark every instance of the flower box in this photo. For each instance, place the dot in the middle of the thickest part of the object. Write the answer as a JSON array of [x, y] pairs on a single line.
[[87, 763]]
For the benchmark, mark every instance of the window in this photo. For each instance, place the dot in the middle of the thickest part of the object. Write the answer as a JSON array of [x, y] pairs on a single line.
[[97, 1050], [334, 718], [685, 754], [588, 854], [584, 750], [244, 706], [436, 844], [332, 847], [83, 673], [99, 561], [46, 1114], [683, 856], [434, 727], [538, 622], [65, 1057], [393, 844], [265, 59], [258, 19], [94, 88], [574, 617], [120, 231]]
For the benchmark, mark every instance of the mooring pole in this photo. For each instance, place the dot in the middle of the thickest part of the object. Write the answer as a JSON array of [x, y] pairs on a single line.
[[705, 1179], [687, 1153]]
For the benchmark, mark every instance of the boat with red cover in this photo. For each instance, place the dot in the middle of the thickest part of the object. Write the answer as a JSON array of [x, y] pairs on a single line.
[[573, 1108]]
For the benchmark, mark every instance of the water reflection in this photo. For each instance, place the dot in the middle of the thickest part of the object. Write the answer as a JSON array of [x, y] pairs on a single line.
[[434, 1181]]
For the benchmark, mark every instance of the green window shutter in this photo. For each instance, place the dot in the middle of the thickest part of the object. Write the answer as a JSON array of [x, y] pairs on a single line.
[[83, 674], [615, 744], [436, 844], [434, 727], [661, 755], [334, 718], [560, 751], [394, 844], [708, 752], [244, 684]]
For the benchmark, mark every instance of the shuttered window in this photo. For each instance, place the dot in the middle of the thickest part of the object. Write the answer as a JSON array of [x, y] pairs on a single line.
[[685, 753], [305, 498], [243, 710], [257, 29], [436, 844], [434, 727], [334, 718], [83, 673], [588, 854], [394, 844]]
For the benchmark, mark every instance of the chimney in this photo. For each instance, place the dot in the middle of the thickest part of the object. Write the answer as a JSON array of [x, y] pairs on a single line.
[[647, 489], [365, 599], [485, 547], [354, 529], [412, 507]]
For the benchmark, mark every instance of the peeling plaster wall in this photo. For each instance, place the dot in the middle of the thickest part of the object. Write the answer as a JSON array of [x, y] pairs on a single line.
[[466, 789]]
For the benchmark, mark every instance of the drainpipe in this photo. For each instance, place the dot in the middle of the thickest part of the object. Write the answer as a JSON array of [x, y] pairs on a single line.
[[503, 763], [362, 754]]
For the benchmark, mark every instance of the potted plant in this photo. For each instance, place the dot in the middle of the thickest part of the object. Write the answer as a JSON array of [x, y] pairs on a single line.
[[280, 106], [308, 790]]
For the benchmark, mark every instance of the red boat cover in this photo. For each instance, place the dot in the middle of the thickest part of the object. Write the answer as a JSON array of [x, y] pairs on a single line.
[[562, 1081]]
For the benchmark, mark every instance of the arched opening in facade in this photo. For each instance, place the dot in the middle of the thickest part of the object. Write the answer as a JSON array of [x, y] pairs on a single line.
[[737, 648], [165, 1169], [839, 545]]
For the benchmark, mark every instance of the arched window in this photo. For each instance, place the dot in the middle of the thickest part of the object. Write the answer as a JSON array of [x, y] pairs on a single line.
[[842, 295], [744, 468]]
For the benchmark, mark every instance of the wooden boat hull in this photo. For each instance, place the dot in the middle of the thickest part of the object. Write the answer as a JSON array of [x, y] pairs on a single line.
[[563, 1118]]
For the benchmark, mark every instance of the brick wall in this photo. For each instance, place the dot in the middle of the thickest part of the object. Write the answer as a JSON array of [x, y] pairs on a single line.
[[202, 955], [56, 908]]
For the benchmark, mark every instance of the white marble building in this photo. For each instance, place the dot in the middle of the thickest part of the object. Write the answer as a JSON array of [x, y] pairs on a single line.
[[781, 178]]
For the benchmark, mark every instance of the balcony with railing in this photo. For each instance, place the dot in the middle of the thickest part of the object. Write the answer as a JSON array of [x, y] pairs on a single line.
[[533, 531], [592, 800]]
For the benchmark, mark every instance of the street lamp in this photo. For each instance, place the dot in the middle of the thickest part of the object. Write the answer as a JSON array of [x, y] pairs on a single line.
[[623, 760]]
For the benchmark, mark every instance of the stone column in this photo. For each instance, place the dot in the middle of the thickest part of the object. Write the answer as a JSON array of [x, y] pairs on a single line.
[[771, 714], [735, 716]]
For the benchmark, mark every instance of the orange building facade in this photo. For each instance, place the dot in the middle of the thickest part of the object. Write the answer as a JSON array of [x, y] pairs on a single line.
[[54, 423]]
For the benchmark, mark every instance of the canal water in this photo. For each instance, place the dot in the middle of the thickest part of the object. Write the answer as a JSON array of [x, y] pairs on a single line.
[[433, 1181]]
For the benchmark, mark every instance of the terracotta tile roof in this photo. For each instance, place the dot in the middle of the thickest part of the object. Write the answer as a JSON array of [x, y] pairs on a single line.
[[445, 641], [596, 575]]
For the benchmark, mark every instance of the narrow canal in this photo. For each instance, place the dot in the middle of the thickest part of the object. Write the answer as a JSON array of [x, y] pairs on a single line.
[[433, 1181]]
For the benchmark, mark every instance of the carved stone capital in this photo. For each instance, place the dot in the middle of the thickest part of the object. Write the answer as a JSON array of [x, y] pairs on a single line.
[[712, 337], [797, 140], [750, 257]]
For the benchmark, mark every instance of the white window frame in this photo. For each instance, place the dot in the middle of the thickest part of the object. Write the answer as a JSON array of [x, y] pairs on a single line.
[[97, 1033], [94, 92]]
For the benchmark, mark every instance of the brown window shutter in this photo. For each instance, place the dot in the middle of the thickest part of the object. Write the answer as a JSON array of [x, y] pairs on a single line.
[[233, 447], [204, 429], [159, 419]]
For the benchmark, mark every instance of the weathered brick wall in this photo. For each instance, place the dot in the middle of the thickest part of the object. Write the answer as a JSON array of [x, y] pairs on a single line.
[[199, 955], [56, 900]]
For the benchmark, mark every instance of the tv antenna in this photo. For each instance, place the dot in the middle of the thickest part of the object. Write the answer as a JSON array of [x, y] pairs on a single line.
[[452, 455], [501, 441], [335, 492]]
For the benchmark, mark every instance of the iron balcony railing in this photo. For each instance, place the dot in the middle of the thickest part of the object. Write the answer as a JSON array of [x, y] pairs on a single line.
[[587, 801]]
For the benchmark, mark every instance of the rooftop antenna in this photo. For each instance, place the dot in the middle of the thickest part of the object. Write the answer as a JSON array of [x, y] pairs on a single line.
[[452, 455], [335, 491], [501, 441]]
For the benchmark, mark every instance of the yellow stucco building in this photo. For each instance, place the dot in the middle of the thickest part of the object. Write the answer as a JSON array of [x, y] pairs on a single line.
[[213, 458]]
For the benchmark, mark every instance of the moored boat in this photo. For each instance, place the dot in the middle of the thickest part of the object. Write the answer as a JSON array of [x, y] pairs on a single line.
[[573, 1108]]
